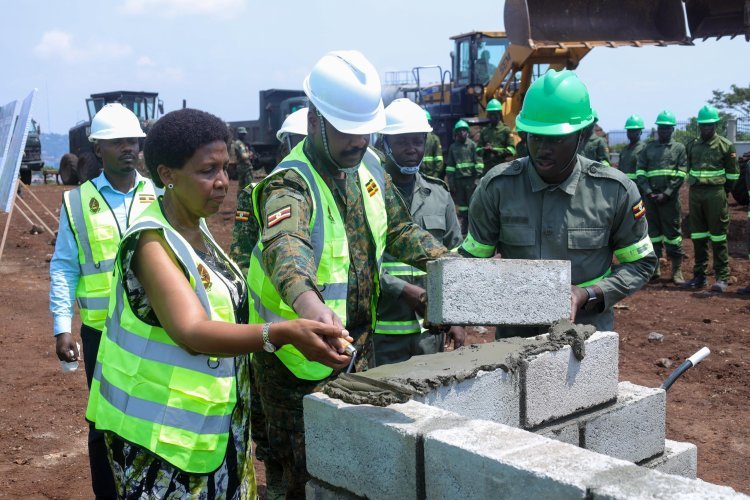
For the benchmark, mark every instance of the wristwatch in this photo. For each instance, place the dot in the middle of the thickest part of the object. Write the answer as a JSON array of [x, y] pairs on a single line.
[[592, 298], [267, 345]]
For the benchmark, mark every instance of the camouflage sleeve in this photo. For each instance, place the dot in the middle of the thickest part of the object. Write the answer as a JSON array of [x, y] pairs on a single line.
[[406, 241], [245, 231], [285, 212], [631, 246], [680, 174], [731, 166]]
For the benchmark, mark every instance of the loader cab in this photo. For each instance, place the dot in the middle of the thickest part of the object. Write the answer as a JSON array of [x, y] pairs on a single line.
[[145, 105], [476, 57]]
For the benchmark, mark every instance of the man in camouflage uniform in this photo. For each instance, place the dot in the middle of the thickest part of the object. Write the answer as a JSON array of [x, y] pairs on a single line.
[[328, 162], [555, 204], [596, 147], [433, 164], [398, 331], [712, 171], [629, 154], [463, 167], [660, 172], [495, 140], [245, 157]]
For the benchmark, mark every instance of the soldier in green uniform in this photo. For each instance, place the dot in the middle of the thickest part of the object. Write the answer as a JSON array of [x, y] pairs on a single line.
[[712, 171], [661, 170], [244, 157], [596, 148], [433, 164], [556, 204], [629, 154], [328, 213], [398, 331], [495, 140], [463, 167]]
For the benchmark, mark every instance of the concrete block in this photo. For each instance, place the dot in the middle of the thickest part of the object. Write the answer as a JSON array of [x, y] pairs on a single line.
[[654, 484], [632, 428], [346, 443], [555, 384], [680, 459], [498, 291], [318, 490]]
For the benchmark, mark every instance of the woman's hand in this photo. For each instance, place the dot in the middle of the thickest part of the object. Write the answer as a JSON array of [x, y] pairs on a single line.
[[313, 339]]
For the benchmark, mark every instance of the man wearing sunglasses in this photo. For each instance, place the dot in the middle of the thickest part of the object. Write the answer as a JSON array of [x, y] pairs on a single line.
[[555, 204]]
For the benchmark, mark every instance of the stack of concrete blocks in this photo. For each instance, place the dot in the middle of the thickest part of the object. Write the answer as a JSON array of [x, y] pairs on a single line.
[[554, 427]]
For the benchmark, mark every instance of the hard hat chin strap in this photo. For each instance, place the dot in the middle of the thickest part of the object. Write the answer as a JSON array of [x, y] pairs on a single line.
[[404, 170], [324, 136]]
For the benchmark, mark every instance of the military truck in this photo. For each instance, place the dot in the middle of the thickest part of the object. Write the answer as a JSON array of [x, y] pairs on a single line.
[[146, 106], [274, 105], [32, 153]]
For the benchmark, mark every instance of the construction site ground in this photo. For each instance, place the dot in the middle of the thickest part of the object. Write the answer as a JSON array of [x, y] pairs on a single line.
[[43, 432]]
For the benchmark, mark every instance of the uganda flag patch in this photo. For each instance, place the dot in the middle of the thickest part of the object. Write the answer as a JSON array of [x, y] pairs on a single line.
[[242, 215], [372, 188], [279, 215], [639, 210], [146, 198]]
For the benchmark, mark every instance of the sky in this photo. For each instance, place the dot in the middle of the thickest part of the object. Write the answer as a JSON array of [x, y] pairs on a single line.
[[217, 54]]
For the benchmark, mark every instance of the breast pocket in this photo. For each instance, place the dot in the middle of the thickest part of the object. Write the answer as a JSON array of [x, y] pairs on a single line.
[[435, 225], [587, 238], [517, 236]]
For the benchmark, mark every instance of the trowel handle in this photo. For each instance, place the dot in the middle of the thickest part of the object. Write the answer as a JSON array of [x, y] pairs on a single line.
[[699, 356]]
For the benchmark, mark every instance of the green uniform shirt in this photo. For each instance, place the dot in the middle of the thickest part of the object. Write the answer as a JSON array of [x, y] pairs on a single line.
[[629, 159], [596, 149], [245, 231], [500, 139], [242, 152], [433, 210], [433, 164], [463, 160], [288, 254], [594, 214], [712, 162], [661, 168]]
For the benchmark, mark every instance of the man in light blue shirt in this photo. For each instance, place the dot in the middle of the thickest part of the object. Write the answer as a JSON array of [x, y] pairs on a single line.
[[93, 218]]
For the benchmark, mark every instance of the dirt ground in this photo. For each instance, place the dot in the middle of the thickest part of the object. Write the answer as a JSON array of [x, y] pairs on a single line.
[[43, 433]]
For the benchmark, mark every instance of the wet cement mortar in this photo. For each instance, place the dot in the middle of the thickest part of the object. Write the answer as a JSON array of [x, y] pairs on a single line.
[[398, 383]]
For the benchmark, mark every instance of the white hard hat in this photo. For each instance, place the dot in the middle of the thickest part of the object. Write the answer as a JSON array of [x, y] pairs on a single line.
[[296, 123], [403, 116], [345, 88], [115, 121]]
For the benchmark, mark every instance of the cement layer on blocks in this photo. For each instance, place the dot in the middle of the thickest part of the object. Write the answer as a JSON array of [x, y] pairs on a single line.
[[346, 443], [680, 459], [632, 428], [498, 291]]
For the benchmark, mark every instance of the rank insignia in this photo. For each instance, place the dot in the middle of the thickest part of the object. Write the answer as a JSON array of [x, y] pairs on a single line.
[[639, 210], [242, 215], [94, 206], [146, 198], [279, 215], [372, 188], [205, 277]]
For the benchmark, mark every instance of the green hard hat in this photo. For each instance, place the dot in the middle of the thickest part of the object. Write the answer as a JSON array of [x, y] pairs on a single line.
[[666, 117], [241, 130], [634, 122], [595, 114], [428, 115], [460, 124], [708, 114], [494, 105], [557, 103]]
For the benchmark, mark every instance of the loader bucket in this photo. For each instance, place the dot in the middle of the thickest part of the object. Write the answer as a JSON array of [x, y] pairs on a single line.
[[709, 18], [540, 23]]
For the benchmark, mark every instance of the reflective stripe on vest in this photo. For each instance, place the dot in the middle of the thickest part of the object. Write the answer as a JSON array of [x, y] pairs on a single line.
[[706, 174], [150, 391], [330, 249], [97, 234], [400, 327]]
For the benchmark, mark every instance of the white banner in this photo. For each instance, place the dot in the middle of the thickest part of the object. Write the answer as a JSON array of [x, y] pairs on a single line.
[[8, 115], [12, 161]]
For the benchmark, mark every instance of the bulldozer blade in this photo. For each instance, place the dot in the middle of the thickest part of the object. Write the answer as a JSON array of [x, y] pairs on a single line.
[[540, 23], [718, 18]]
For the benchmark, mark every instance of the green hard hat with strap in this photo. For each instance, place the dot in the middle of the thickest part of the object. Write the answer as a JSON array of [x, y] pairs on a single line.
[[494, 105], [708, 114], [634, 122], [666, 117], [460, 124], [557, 103]]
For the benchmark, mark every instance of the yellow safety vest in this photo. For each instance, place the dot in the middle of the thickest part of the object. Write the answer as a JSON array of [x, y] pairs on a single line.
[[97, 234], [330, 248], [152, 392]]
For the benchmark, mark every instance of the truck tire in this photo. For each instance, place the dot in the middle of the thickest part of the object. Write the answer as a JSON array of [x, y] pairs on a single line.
[[88, 167], [739, 192], [67, 169]]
